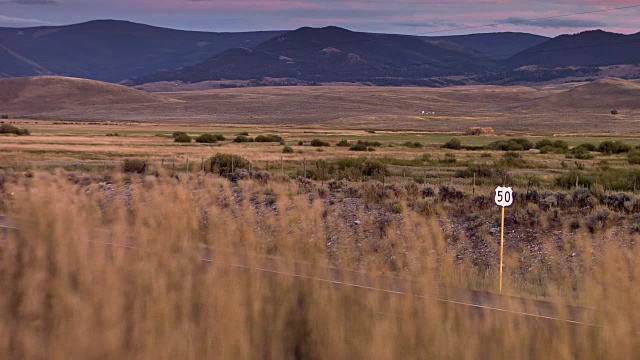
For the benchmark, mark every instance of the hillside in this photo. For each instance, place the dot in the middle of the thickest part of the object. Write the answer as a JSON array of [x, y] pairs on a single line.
[[496, 45], [112, 50], [603, 95], [334, 54], [589, 48], [50, 93]]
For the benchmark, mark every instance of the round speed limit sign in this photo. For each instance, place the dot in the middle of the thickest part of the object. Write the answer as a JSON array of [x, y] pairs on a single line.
[[504, 196]]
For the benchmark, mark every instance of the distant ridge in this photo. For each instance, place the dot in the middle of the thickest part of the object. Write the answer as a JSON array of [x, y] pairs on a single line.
[[50, 93], [589, 48], [605, 94], [112, 50], [500, 45], [335, 54]]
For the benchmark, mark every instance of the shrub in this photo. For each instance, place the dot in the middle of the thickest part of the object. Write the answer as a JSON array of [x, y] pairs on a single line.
[[268, 138], [10, 129], [396, 208], [543, 143], [372, 167], [220, 137], [137, 166], [589, 146], [413, 145], [568, 180], [481, 171], [343, 143], [300, 143], [4, 116], [207, 139], [242, 139], [581, 153], [178, 133], [453, 144], [502, 145], [560, 144], [512, 159], [526, 144], [319, 143], [287, 150], [222, 163], [614, 112], [613, 147], [358, 147], [552, 150], [370, 143], [449, 193], [634, 157], [244, 133], [113, 134], [183, 138]]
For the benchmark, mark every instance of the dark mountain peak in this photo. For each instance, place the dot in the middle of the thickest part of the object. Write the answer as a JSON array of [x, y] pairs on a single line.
[[587, 48]]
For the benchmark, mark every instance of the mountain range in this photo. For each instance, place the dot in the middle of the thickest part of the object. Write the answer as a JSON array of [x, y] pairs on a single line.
[[134, 54], [111, 50]]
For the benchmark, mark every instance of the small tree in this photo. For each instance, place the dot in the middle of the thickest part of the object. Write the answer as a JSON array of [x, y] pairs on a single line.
[[287, 150]]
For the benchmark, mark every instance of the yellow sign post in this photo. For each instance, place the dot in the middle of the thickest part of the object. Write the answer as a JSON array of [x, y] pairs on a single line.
[[504, 198]]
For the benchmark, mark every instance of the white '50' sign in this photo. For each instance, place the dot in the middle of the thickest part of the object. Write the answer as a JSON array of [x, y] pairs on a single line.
[[504, 196]]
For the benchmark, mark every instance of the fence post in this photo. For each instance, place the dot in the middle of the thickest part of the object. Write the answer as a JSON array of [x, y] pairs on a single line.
[[474, 183], [187, 164], [203, 164], [577, 181], [233, 169]]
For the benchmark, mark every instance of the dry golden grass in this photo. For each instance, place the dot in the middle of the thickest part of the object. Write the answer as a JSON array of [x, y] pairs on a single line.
[[66, 294]]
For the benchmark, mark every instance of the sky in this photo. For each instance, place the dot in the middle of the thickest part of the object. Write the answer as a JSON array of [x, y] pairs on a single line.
[[437, 17]]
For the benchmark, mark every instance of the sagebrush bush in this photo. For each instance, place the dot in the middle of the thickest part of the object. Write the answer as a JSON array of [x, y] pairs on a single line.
[[207, 139], [268, 138], [287, 150], [183, 138], [453, 144], [138, 166], [10, 129], [223, 163], [319, 143], [242, 139], [613, 147]]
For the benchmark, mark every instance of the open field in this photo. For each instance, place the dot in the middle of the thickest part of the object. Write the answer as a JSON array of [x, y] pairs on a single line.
[[84, 146], [548, 110]]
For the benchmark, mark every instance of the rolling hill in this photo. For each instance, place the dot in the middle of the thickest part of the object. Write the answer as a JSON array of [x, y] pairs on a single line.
[[25, 95], [589, 48], [111, 50], [496, 45], [335, 54], [601, 95]]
